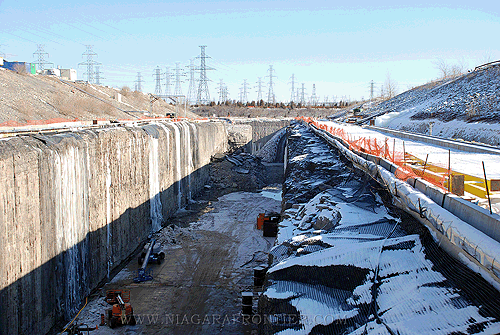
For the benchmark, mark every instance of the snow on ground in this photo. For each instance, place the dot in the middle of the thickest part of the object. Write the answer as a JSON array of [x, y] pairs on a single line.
[[460, 161], [364, 273], [466, 107]]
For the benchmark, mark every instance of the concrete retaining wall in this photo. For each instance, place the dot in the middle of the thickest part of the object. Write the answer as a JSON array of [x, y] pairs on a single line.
[[261, 131], [74, 205]]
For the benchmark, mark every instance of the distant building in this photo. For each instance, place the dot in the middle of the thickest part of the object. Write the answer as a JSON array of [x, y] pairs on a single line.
[[68, 74], [65, 74], [18, 66]]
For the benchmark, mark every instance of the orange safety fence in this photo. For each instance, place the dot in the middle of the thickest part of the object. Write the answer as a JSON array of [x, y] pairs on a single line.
[[408, 165], [13, 123]]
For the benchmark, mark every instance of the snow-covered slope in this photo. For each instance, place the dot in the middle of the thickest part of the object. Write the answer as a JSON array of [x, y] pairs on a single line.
[[466, 107]]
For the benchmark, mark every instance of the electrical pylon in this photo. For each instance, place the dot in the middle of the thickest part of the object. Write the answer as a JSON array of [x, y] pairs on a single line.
[[292, 90], [244, 91], [98, 75], [372, 86], [191, 96], [259, 89], [157, 76], [303, 95], [168, 84], [178, 74], [270, 94], [90, 63], [41, 54], [314, 99], [138, 82], [203, 96]]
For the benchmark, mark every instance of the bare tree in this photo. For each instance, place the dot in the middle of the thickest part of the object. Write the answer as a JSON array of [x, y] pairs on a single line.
[[442, 67], [390, 86], [450, 70]]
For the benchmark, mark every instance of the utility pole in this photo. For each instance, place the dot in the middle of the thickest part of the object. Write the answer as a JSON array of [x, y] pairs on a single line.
[[191, 96], [292, 90], [270, 94], [41, 54], [157, 76], [203, 96], [259, 89], [138, 82], [90, 63]]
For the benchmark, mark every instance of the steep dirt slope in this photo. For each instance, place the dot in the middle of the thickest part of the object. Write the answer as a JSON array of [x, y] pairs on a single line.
[[26, 97]]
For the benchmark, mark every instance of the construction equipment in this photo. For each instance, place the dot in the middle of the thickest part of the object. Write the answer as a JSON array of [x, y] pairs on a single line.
[[78, 329], [155, 256], [122, 312], [148, 254], [268, 222]]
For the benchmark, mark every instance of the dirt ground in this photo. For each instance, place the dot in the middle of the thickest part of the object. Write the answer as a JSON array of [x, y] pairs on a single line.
[[211, 249]]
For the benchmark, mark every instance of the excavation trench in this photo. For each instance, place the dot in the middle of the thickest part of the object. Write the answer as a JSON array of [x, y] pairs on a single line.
[[211, 247], [347, 261]]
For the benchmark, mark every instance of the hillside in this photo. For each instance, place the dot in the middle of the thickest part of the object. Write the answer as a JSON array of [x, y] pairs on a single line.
[[466, 107], [26, 97]]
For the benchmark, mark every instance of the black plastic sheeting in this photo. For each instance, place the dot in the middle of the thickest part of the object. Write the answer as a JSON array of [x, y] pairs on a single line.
[[385, 276]]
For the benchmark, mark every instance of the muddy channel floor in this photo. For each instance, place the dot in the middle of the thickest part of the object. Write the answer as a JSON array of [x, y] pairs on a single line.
[[210, 255]]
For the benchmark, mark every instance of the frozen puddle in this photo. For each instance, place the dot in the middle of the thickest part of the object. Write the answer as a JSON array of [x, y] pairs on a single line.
[[272, 192], [344, 263]]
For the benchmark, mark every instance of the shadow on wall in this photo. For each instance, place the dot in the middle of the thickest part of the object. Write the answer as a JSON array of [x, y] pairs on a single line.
[[52, 293], [90, 198]]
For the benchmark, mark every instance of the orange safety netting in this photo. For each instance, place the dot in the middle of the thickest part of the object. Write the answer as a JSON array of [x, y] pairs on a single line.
[[408, 165]]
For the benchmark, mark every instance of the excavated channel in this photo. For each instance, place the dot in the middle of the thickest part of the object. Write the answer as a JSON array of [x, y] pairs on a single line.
[[346, 261]]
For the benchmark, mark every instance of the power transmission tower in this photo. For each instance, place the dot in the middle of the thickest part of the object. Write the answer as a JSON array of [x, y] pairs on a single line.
[[244, 92], [203, 96], [178, 81], [90, 63], [157, 76], [303, 95], [314, 98], [41, 54], [138, 82], [372, 86], [270, 94], [98, 75], [191, 96], [292, 90], [168, 84], [259, 89], [221, 91]]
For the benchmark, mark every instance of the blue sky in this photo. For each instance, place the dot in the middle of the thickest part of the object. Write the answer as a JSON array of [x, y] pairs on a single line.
[[340, 48]]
